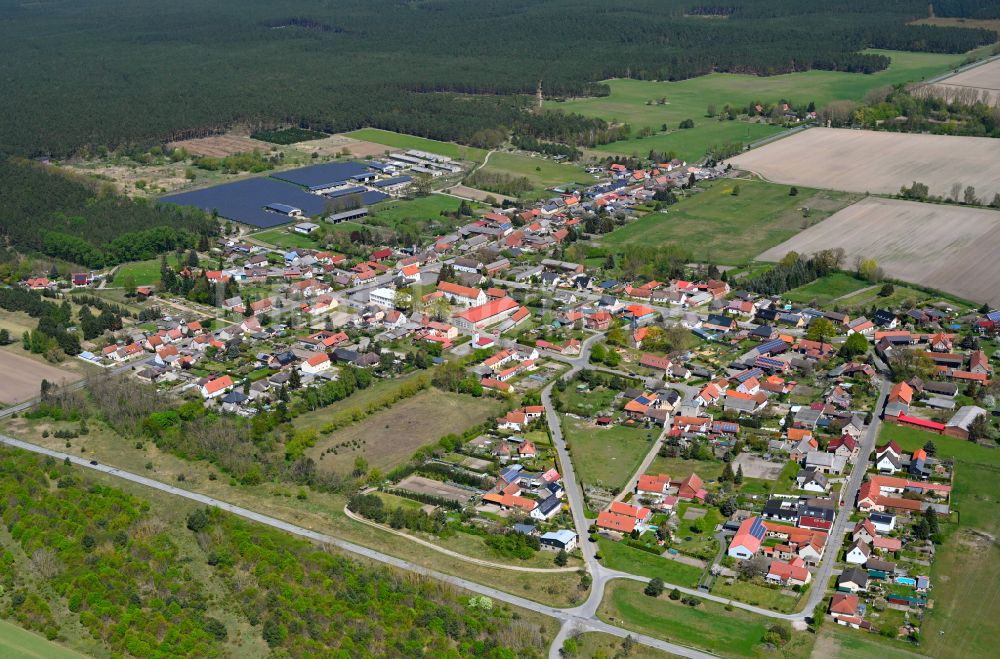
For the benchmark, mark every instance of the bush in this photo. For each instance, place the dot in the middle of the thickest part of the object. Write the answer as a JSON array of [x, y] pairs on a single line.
[[654, 588]]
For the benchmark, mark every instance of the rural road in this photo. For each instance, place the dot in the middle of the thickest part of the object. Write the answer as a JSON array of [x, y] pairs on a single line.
[[576, 616]]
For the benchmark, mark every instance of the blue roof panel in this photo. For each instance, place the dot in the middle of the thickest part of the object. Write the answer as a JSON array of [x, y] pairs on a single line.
[[245, 201], [326, 175]]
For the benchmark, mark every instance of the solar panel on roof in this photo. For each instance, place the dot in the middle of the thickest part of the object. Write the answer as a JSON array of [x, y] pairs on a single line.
[[327, 175]]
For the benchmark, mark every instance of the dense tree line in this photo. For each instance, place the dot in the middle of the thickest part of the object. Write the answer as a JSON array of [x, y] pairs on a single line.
[[42, 210], [966, 8], [482, 63], [794, 271], [931, 109], [53, 321]]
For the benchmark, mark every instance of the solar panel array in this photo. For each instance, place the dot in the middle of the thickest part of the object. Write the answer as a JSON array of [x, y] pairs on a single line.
[[244, 201], [326, 175]]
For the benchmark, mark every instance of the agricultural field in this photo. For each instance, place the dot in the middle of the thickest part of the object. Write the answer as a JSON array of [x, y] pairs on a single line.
[[981, 82], [947, 248], [689, 99], [22, 376], [390, 437], [708, 626], [826, 289], [720, 227], [401, 141], [964, 620], [878, 162], [541, 171], [606, 456]]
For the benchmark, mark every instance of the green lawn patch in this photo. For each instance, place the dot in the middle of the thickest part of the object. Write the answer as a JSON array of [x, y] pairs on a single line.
[[286, 238], [679, 468], [708, 626], [587, 403], [619, 556], [421, 215], [826, 289], [730, 229], [542, 172], [756, 594], [17, 643], [605, 456], [401, 141], [145, 273]]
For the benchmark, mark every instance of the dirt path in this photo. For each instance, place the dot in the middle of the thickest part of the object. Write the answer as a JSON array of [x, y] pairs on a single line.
[[455, 554], [853, 293]]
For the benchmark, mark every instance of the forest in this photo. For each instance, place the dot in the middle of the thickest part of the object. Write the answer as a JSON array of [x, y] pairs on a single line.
[[161, 71], [43, 210], [76, 552]]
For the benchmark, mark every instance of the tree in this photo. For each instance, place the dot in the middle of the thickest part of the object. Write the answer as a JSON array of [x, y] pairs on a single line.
[[562, 558], [197, 520], [789, 259], [917, 191], [793, 191], [738, 479], [820, 330], [996, 201], [687, 123], [907, 364], [727, 473], [970, 196], [856, 344], [979, 429], [868, 269], [675, 594], [956, 191], [886, 290], [930, 449], [654, 588], [736, 190]]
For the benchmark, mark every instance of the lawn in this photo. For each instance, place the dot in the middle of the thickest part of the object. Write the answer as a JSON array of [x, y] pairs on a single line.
[[587, 403], [388, 438], [401, 141], [542, 172], [966, 594], [145, 273], [827, 289], [758, 595], [605, 456], [422, 215], [902, 297], [689, 99], [17, 643], [839, 641], [708, 626], [723, 228], [285, 238], [619, 556]]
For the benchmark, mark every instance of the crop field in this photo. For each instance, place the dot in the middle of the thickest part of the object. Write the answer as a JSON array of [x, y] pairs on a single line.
[[335, 145], [422, 485], [22, 377], [947, 248], [391, 436], [689, 99], [401, 141], [723, 228], [880, 162], [982, 81], [476, 194]]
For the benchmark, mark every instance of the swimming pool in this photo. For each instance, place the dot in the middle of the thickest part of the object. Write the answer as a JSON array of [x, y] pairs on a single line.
[[906, 581]]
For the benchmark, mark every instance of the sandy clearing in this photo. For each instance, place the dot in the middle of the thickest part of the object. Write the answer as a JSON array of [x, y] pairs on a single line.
[[476, 194], [949, 248], [219, 146], [333, 146], [22, 377], [882, 162]]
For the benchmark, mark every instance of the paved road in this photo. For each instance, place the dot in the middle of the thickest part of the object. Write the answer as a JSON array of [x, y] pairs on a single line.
[[574, 617], [847, 496]]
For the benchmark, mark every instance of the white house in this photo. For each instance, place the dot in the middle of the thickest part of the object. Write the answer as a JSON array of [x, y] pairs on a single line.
[[858, 553], [316, 364], [384, 297]]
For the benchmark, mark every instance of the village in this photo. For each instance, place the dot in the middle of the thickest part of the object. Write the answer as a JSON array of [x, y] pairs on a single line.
[[720, 440]]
